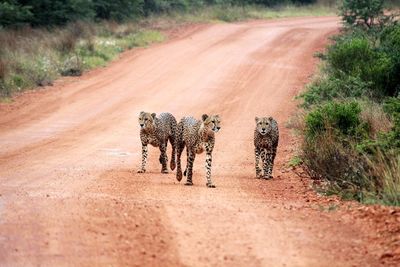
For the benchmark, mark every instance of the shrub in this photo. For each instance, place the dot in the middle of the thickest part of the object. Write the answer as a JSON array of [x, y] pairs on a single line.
[[72, 66], [390, 44], [342, 119], [355, 56], [327, 157], [326, 87], [386, 141], [351, 56]]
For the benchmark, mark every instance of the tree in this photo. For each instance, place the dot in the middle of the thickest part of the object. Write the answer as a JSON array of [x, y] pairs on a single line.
[[12, 13], [361, 12]]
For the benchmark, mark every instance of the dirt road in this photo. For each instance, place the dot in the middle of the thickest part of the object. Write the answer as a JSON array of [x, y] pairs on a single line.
[[70, 194]]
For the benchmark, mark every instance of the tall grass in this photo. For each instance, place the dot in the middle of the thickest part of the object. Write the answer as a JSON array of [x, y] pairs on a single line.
[[387, 189], [36, 57]]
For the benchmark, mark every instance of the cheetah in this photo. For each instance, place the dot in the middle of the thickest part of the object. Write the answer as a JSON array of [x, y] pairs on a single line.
[[266, 137], [156, 131], [198, 136]]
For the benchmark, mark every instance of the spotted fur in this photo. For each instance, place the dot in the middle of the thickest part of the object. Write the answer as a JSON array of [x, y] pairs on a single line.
[[156, 131], [197, 136], [266, 137]]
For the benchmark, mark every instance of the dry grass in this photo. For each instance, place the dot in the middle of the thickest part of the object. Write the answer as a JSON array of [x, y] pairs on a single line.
[[387, 168], [378, 121], [35, 57]]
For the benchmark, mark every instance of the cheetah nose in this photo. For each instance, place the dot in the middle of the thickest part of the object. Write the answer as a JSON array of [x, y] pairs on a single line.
[[218, 128], [142, 125]]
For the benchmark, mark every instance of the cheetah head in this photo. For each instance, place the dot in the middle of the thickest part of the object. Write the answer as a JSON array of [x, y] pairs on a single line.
[[263, 125], [146, 119], [211, 122]]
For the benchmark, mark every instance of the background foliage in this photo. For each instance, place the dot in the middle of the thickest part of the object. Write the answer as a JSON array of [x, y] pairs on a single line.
[[59, 12], [351, 124]]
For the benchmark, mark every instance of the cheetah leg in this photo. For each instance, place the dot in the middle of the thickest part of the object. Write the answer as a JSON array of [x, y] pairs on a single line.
[[144, 159], [264, 163], [272, 161], [179, 149], [189, 167], [187, 156], [208, 170], [268, 165], [258, 169], [173, 154], [164, 158]]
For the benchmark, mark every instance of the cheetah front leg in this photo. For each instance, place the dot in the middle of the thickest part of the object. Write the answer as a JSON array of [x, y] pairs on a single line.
[[208, 170], [173, 154], [164, 158], [258, 169], [268, 164], [144, 159], [189, 167], [187, 156], [180, 145]]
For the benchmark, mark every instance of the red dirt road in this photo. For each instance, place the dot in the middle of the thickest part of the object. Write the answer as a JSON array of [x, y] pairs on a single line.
[[70, 194]]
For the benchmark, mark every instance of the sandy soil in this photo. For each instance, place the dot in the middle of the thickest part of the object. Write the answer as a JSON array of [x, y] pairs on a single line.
[[70, 194]]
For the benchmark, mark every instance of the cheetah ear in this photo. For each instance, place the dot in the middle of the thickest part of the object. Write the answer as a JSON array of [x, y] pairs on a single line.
[[153, 115], [270, 119], [257, 119], [204, 117], [141, 112]]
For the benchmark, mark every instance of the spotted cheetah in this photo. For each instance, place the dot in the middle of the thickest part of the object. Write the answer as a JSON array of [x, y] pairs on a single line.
[[266, 137], [156, 131], [197, 136]]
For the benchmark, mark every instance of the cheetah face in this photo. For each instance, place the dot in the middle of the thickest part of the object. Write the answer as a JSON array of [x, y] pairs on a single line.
[[263, 125], [212, 122], [146, 120]]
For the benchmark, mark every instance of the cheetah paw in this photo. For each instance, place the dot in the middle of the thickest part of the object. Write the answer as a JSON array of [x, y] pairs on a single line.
[[164, 171], [188, 183], [141, 171], [210, 185], [172, 165]]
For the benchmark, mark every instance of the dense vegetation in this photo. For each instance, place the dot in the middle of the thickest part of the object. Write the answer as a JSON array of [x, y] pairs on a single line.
[[59, 12], [351, 124]]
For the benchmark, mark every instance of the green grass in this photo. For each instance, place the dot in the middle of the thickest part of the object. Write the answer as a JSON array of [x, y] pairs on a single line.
[[295, 161]]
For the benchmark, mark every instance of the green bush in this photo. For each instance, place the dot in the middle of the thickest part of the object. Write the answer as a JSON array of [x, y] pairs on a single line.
[[390, 45], [356, 56], [342, 119], [327, 87]]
